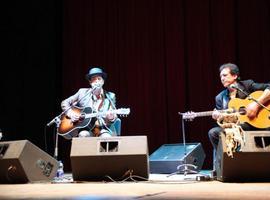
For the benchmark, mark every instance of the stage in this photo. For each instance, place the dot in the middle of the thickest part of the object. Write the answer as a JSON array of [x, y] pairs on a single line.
[[138, 182], [159, 186]]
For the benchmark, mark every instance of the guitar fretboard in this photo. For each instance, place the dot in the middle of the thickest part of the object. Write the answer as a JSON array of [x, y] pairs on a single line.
[[203, 114], [192, 115], [209, 113]]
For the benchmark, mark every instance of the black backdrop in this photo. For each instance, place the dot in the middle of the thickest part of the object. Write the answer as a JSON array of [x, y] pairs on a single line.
[[162, 57]]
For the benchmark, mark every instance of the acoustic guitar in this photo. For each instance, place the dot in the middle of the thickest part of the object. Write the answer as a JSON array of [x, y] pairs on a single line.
[[69, 129], [262, 120]]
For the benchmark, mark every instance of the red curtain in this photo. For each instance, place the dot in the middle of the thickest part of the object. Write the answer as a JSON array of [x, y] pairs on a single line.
[[162, 57]]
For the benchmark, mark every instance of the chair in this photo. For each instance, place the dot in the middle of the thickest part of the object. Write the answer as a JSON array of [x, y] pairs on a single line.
[[116, 126]]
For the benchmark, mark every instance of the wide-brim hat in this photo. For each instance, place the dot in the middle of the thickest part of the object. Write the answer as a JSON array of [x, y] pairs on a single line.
[[96, 71]]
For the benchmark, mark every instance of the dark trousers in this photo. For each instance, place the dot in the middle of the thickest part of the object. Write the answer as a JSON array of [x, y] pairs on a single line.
[[214, 133]]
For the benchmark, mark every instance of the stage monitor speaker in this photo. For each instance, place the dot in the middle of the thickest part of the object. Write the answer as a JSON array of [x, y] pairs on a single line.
[[168, 157], [22, 162], [94, 158], [249, 165]]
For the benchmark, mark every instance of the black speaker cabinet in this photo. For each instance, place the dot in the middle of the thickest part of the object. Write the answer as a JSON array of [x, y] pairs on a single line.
[[22, 162], [168, 157], [94, 158], [251, 164]]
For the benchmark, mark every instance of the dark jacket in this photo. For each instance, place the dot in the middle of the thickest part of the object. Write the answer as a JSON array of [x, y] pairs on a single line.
[[248, 86]]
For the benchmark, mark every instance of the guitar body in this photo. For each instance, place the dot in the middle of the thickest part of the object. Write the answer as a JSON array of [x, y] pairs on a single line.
[[69, 129], [262, 120]]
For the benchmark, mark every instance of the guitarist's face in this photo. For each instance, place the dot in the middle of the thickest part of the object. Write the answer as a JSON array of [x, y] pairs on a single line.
[[227, 78], [97, 82]]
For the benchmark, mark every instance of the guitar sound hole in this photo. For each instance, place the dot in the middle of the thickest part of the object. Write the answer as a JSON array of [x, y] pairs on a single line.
[[242, 110]]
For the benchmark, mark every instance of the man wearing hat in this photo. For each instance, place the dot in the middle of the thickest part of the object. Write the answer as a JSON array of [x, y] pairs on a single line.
[[98, 100]]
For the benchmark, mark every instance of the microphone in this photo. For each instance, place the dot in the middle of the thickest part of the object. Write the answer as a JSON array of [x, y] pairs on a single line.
[[52, 122], [96, 89], [96, 86], [55, 120], [234, 86]]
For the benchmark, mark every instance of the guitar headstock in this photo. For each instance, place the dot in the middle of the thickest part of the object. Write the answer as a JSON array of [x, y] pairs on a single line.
[[123, 111], [189, 115]]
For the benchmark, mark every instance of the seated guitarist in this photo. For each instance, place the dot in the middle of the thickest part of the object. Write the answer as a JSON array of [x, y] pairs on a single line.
[[98, 100], [234, 88]]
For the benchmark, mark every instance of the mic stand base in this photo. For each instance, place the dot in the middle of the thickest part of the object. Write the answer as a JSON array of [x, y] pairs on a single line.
[[184, 169]]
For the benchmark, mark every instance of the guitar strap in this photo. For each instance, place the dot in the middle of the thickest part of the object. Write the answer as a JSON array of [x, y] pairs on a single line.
[[101, 103], [110, 100]]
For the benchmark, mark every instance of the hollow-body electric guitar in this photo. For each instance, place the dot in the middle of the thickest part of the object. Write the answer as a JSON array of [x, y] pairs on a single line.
[[262, 120], [69, 129]]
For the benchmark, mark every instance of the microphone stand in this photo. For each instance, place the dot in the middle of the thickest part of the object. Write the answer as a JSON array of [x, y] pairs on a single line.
[[185, 168], [251, 98], [57, 120]]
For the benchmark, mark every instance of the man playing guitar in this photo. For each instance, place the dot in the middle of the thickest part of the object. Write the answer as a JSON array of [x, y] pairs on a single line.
[[97, 100], [235, 88]]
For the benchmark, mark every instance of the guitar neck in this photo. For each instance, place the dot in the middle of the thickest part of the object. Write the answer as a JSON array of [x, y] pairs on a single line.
[[121, 111], [90, 115], [204, 114], [209, 113]]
